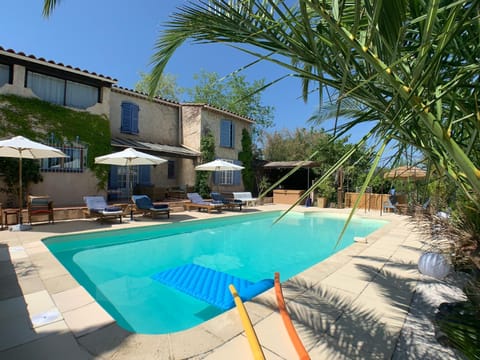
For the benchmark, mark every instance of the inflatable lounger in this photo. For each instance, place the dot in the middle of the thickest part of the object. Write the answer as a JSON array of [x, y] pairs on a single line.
[[210, 285]]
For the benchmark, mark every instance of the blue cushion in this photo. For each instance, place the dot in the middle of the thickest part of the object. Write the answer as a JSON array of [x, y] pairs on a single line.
[[113, 208], [143, 203]]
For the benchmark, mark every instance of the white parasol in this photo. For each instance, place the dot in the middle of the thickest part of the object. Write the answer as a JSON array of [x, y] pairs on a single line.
[[23, 148], [129, 157]]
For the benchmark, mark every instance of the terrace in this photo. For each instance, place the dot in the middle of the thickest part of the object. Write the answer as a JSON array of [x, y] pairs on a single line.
[[360, 303]]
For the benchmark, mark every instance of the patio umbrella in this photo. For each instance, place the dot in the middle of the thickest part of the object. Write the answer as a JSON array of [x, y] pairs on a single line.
[[129, 157], [23, 148], [218, 165], [406, 172]]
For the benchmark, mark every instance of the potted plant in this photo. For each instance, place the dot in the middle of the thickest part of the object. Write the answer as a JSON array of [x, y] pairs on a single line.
[[263, 185], [325, 193]]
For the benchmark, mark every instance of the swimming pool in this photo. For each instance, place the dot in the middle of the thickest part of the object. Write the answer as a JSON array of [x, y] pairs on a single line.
[[116, 267]]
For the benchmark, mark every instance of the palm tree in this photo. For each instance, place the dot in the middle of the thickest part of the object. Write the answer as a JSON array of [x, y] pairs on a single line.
[[411, 66]]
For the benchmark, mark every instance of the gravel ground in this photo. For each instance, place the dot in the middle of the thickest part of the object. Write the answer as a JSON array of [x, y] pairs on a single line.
[[417, 339]]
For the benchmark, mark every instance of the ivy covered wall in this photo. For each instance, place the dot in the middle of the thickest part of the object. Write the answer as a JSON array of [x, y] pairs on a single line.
[[38, 120]]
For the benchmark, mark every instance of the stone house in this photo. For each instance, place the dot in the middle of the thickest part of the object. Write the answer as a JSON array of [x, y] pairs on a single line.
[[157, 126]]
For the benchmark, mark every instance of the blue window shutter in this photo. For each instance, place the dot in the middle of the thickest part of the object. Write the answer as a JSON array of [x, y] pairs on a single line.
[[126, 117], [113, 177], [216, 177], [232, 134], [134, 124], [237, 175], [129, 121], [144, 174], [225, 133]]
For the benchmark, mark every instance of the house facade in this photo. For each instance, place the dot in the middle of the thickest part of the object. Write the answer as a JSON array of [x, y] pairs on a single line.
[[157, 126]]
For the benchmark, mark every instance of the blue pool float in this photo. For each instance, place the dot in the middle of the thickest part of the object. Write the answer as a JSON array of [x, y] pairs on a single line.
[[210, 285]]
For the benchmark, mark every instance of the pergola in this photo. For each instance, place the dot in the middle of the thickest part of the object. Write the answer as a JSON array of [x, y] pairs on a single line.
[[307, 164]]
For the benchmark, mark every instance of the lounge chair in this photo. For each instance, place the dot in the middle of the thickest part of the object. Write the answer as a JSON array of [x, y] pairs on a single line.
[[245, 197], [229, 204], [98, 207], [144, 204], [422, 209], [387, 206], [197, 202]]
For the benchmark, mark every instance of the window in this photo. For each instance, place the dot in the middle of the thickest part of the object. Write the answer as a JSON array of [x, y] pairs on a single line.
[[75, 162], [62, 92], [4, 74], [119, 179], [129, 115], [171, 169], [227, 134], [228, 177], [47, 88], [126, 174], [80, 96]]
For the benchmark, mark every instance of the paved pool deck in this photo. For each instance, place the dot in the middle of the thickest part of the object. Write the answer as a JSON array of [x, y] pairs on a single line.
[[351, 306]]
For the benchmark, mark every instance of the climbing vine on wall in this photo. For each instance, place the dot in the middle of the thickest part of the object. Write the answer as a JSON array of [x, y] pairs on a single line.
[[40, 120]]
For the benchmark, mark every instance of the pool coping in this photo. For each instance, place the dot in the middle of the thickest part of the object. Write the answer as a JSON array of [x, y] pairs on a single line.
[[370, 282]]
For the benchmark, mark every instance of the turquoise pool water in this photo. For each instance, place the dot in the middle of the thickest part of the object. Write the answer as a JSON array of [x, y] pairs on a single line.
[[116, 266]]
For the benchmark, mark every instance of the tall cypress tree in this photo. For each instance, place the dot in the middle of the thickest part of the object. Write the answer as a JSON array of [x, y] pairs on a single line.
[[246, 157], [207, 148]]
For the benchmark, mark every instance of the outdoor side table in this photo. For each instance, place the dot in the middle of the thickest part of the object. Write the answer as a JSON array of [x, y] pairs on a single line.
[[8, 212]]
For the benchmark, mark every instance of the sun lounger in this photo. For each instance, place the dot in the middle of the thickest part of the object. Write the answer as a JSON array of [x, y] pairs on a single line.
[[144, 204], [197, 202], [387, 205], [98, 207], [229, 204], [245, 197]]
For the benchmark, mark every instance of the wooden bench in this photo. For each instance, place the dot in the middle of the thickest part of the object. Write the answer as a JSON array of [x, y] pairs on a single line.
[[40, 206]]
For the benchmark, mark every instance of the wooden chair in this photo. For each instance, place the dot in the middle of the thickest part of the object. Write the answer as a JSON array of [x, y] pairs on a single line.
[[40, 206]]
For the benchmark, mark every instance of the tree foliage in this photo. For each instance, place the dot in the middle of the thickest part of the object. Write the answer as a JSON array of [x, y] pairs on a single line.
[[411, 66], [324, 148], [167, 87], [233, 93], [207, 148], [9, 169], [246, 157]]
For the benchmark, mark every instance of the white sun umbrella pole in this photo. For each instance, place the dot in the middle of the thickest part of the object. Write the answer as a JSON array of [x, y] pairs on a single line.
[[22, 148], [129, 157]]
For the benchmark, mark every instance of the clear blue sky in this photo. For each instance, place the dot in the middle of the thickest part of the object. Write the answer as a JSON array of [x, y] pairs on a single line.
[[116, 38]]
